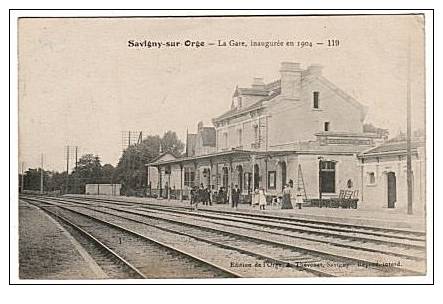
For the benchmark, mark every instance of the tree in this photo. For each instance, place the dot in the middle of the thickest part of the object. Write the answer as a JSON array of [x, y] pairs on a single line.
[[108, 172], [31, 180], [131, 170], [171, 143], [56, 181], [89, 166], [88, 171]]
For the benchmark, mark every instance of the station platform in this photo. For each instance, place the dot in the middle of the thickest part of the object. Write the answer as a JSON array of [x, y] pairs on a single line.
[[48, 252], [387, 218]]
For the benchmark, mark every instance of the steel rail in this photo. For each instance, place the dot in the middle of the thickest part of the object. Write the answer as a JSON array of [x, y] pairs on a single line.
[[149, 239], [89, 236], [279, 218], [269, 242], [299, 230]]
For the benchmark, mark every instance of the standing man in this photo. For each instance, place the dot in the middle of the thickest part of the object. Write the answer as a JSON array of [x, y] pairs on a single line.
[[200, 196], [235, 196], [208, 196], [193, 195]]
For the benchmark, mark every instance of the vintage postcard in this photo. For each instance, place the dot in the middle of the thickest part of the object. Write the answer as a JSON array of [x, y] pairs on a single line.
[[204, 147]]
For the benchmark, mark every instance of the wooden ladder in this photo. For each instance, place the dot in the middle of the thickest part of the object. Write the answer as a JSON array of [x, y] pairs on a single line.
[[301, 182]]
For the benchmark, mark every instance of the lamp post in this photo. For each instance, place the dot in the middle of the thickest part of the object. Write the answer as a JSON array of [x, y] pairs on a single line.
[[408, 132]]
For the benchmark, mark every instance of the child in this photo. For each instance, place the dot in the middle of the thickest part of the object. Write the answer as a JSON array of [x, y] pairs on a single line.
[[262, 199], [255, 198], [298, 198]]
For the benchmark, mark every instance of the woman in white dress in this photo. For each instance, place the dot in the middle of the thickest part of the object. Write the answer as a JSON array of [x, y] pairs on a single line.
[[255, 198], [262, 199]]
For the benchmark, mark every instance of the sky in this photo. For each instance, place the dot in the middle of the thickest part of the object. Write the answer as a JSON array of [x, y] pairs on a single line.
[[81, 85]]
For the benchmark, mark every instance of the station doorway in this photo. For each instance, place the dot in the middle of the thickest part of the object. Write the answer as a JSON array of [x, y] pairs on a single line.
[[283, 175], [256, 177], [240, 177], [206, 179], [225, 177], [392, 189]]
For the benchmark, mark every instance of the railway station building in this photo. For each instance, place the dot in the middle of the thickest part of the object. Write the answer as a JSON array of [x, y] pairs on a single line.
[[384, 182], [301, 127]]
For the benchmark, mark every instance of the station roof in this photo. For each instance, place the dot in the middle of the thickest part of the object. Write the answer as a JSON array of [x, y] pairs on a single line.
[[392, 148], [236, 154], [222, 154], [255, 106]]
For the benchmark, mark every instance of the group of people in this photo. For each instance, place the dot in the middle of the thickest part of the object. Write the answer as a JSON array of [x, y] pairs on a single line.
[[259, 198], [291, 194], [200, 195]]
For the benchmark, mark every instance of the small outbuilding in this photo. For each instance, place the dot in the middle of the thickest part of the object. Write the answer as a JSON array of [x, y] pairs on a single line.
[[383, 171], [103, 189]]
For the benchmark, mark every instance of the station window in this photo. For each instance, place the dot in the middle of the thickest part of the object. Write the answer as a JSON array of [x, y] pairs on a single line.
[[272, 180], [240, 137], [256, 133], [327, 126], [225, 140], [371, 178], [189, 178], [225, 177], [316, 100], [327, 176]]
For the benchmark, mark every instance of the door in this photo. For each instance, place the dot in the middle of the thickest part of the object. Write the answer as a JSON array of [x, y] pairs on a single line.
[[225, 178], [392, 189], [240, 178], [327, 177], [283, 175], [206, 177], [256, 177]]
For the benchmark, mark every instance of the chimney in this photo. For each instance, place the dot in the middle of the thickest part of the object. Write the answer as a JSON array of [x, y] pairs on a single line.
[[258, 83], [315, 70], [290, 79]]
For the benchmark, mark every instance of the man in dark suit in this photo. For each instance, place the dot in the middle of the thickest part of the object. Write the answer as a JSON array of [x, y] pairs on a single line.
[[235, 196]]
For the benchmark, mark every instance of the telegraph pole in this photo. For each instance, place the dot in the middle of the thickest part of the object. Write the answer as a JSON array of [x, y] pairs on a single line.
[[76, 159], [67, 168], [41, 175], [76, 162], [408, 132], [128, 138], [129, 134]]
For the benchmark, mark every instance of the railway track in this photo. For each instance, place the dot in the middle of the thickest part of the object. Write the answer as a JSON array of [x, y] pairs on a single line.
[[112, 264], [333, 226], [410, 250], [138, 256], [403, 246], [281, 251]]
